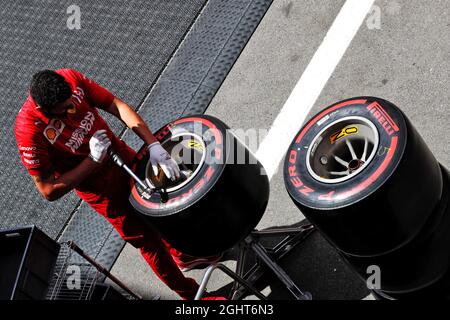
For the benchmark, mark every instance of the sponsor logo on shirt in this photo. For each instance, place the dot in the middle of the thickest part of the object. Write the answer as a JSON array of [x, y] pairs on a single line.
[[78, 95], [30, 161], [28, 154], [22, 148], [76, 140], [72, 110], [53, 130]]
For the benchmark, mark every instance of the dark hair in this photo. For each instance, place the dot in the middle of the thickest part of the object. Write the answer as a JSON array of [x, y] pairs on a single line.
[[49, 88]]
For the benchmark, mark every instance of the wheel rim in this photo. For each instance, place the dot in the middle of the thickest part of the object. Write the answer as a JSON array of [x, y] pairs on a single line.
[[342, 150], [189, 151]]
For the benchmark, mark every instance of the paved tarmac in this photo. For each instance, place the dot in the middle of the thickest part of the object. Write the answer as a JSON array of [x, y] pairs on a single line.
[[400, 53]]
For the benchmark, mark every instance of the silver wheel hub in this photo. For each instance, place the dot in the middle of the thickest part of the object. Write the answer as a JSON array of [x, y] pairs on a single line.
[[342, 149], [189, 151]]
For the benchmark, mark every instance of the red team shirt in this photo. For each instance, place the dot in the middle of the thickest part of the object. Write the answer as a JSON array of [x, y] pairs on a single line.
[[61, 144]]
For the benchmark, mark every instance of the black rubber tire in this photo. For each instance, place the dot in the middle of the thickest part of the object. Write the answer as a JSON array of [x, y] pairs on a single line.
[[423, 261], [387, 204], [220, 206]]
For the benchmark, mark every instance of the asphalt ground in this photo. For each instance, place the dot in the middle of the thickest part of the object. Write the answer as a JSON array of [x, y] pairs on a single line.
[[400, 53]]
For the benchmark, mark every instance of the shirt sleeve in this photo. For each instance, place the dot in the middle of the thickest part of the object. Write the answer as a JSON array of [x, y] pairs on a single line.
[[99, 96], [34, 155]]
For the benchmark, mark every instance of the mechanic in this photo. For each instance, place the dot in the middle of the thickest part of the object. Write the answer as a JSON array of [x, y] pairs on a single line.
[[63, 142]]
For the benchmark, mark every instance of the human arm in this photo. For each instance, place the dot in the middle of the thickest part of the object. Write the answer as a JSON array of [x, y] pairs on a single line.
[[158, 155], [52, 187], [132, 119], [102, 98]]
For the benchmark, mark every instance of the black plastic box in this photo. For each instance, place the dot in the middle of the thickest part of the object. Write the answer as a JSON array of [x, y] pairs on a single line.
[[27, 259]]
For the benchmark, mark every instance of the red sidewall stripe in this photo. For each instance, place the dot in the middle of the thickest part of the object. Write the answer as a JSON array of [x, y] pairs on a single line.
[[375, 175], [324, 113], [378, 106], [219, 140], [141, 201], [208, 123]]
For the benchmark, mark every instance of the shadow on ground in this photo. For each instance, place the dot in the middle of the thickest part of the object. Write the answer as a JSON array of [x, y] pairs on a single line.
[[314, 266]]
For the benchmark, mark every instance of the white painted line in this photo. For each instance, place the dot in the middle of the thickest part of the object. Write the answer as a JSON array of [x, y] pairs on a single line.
[[308, 88], [369, 297]]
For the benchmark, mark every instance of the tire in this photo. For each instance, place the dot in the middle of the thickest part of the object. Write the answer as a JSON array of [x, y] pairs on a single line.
[[221, 201], [420, 264], [382, 200]]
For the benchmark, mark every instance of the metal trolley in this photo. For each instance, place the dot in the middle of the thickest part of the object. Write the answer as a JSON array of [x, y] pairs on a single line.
[[79, 277]]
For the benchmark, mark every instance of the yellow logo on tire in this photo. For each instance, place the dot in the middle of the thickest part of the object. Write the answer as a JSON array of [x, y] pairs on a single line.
[[195, 145], [343, 133]]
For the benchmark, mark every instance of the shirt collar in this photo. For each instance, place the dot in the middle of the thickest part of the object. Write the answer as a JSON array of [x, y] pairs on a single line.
[[36, 111]]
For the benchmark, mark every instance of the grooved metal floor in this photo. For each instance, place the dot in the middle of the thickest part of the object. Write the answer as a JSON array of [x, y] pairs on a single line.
[[186, 86], [124, 46]]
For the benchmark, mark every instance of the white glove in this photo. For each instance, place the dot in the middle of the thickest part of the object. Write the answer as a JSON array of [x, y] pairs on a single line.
[[99, 144], [159, 156]]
